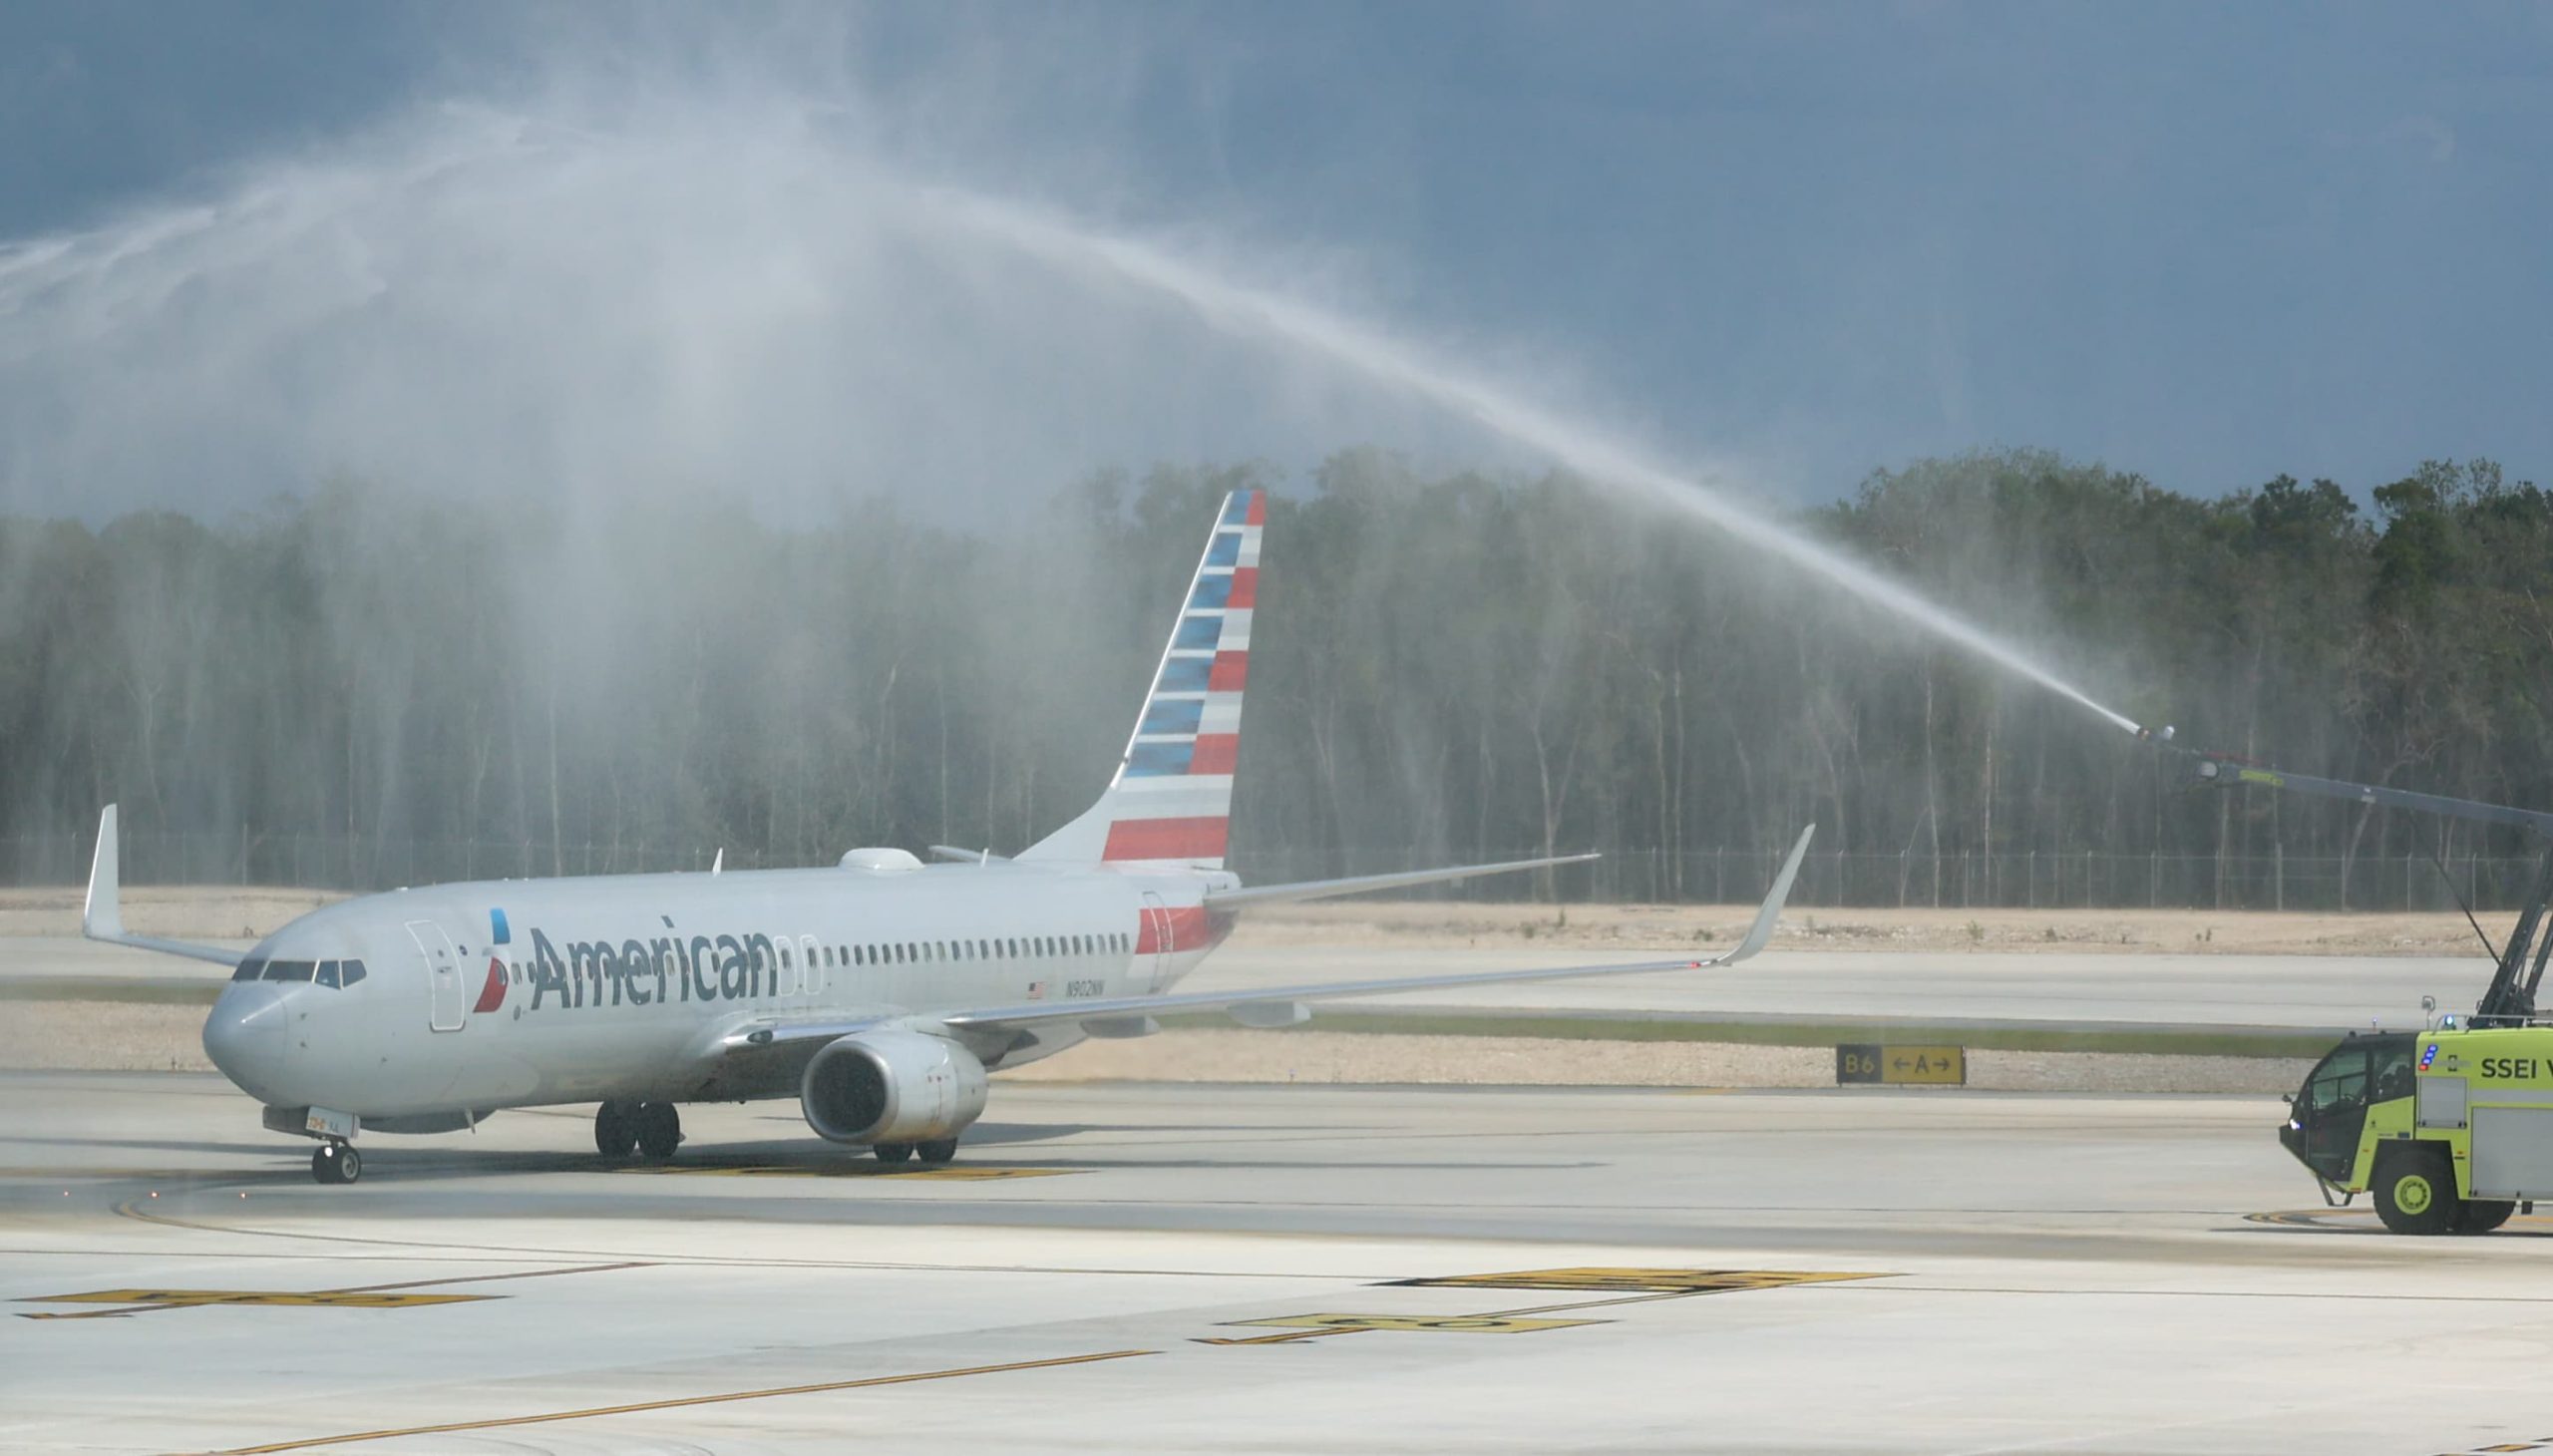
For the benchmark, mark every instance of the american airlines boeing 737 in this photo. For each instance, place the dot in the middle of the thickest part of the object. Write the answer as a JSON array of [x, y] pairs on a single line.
[[878, 991]]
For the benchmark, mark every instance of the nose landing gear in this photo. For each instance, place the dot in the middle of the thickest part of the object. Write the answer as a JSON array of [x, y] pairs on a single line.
[[336, 1162]]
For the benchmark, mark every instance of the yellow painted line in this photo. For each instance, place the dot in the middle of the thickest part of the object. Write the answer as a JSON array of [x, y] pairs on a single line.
[[679, 1402], [1625, 1286], [1270, 1338], [1419, 1323], [1659, 1280], [847, 1170], [150, 1300], [520, 1273], [358, 1296]]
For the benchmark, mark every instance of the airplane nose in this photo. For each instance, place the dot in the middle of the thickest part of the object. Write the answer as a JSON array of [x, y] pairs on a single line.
[[244, 1035]]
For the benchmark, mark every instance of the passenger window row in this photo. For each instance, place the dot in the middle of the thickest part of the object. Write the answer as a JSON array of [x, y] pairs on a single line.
[[1020, 948], [325, 972], [908, 953]]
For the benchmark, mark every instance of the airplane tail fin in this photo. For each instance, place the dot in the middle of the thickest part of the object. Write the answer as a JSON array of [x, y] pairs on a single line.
[[1170, 805]]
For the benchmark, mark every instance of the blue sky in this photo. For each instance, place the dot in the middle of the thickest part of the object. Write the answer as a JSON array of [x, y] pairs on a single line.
[[2209, 243]]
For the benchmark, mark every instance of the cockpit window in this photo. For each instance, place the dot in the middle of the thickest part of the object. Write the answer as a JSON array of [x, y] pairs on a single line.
[[249, 970], [350, 972], [327, 973], [291, 969]]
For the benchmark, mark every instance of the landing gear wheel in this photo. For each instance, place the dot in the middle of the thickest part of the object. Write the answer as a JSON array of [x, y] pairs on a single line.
[[659, 1130], [2416, 1192], [893, 1151], [938, 1151], [616, 1129], [2482, 1215], [336, 1162]]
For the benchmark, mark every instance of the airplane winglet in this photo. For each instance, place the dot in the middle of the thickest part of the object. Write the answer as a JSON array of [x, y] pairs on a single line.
[[1760, 933], [102, 914]]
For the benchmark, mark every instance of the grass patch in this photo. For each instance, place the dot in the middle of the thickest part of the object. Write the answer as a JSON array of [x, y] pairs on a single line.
[[1821, 1033], [139, 992]]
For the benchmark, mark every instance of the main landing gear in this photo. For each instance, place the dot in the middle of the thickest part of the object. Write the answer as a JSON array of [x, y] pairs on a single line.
[[932, 1154], [336, 1162], [651, 1127]]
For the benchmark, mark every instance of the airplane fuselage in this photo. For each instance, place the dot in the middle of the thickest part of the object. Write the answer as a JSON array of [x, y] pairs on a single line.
[[513, 993]]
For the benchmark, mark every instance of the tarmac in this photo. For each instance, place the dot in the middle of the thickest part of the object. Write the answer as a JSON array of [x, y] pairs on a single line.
[[1114, 1267]]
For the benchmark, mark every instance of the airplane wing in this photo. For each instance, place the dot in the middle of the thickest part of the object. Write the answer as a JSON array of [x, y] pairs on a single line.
[[1280, 1006], [102, 914], [1358, 885], [1284, 1005]]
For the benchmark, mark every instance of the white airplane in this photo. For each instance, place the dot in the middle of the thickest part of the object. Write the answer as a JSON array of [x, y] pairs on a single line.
[[878, 991]]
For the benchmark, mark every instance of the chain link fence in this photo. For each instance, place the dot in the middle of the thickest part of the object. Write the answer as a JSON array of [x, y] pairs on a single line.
[[2088, 880]]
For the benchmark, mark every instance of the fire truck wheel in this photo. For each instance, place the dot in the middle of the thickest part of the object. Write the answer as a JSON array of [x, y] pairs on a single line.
[[2482, 1215], [2415, 1192]]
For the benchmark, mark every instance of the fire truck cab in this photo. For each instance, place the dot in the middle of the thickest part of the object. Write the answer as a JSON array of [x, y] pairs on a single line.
[[2451, 1129]]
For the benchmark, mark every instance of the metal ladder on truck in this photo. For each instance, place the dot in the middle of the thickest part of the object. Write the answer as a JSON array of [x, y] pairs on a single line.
[[2510, 999]]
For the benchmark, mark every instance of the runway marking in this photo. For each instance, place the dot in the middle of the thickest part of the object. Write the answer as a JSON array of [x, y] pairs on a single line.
[[1423, 1324], [1647, 1286], [1663, 1281], [953, 1174], [357, 1297], [678, 1402], [198, 1298]]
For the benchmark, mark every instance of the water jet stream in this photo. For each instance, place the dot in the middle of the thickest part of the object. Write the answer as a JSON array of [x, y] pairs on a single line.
[[1250, 311]]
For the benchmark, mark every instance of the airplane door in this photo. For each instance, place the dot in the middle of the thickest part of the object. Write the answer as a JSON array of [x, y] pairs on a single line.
[[443, 975], [1155, 968]]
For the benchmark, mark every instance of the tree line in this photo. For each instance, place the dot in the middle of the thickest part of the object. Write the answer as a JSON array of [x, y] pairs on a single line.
[[1447, 666]]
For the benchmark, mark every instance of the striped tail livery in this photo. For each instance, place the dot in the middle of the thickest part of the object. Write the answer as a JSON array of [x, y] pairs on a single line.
[[1170, 805]]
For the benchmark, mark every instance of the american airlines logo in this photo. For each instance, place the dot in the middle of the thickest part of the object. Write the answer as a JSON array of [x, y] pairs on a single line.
[[643, 972]]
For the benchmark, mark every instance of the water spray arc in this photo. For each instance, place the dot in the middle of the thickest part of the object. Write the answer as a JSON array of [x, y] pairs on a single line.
[[1252, 312], [352, 316]]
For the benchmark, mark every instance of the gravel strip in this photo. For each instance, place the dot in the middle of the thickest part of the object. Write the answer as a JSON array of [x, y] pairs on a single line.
[[1216, 1055]]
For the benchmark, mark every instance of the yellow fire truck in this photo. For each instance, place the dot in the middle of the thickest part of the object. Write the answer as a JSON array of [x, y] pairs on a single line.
[[2451, 1127]]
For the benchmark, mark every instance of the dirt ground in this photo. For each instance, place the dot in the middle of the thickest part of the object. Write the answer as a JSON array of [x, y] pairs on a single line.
[[1420, 924], [223, 913], [184, 912]]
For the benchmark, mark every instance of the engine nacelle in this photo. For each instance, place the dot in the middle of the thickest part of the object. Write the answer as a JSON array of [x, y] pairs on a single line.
[[892, 1086]]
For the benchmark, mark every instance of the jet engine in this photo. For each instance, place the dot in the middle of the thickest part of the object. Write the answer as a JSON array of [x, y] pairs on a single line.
[[892, 1086]]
